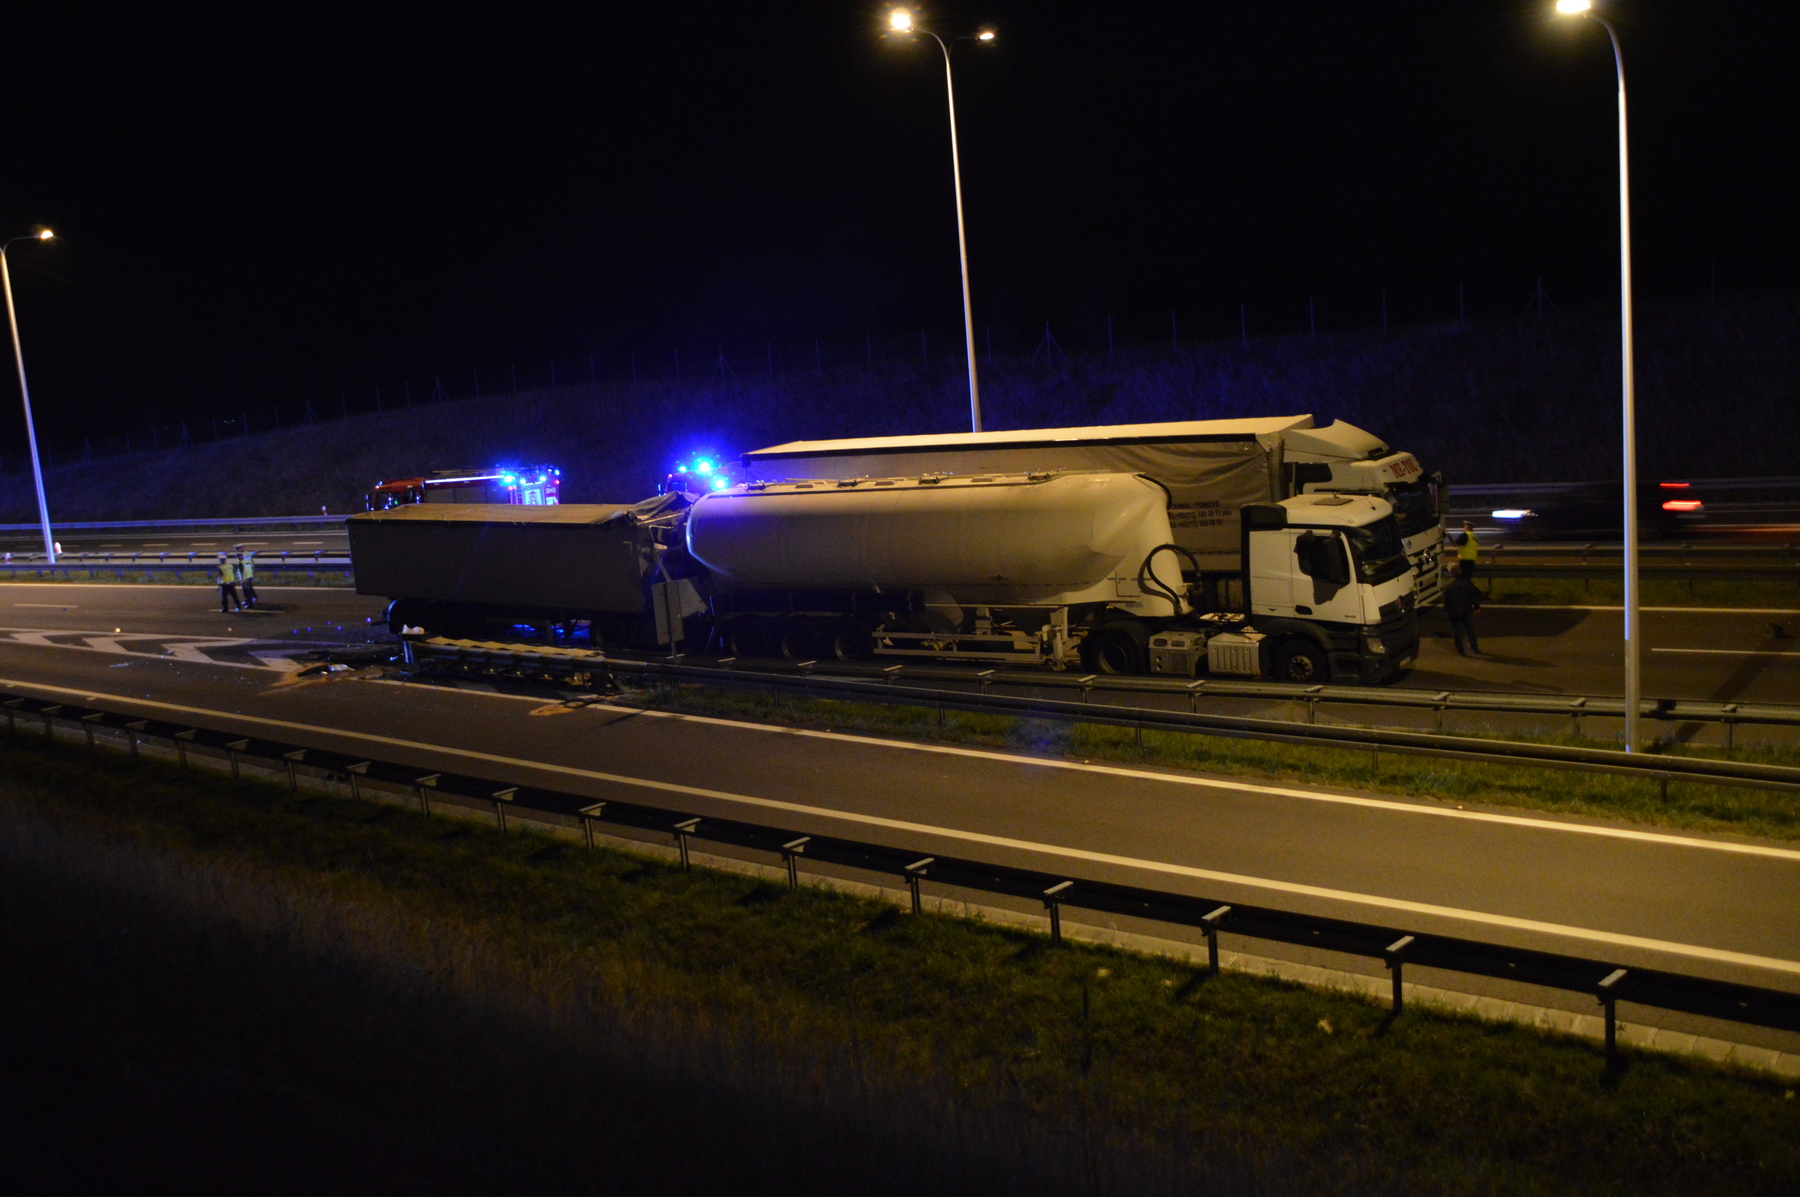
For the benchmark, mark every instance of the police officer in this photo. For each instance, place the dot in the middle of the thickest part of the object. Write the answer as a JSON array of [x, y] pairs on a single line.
[[228, 580], [1462, 598], [247, 574], [1467, 551]]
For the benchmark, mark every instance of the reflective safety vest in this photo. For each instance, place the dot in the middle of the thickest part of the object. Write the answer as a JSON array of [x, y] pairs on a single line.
[[1469, 549], [227, 572], [249, 566]]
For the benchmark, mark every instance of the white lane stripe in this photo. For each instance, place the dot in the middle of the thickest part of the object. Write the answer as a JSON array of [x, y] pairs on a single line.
[[188, 651], [1399, 905], [1651, 610], [1213, 783], [1730, 652]]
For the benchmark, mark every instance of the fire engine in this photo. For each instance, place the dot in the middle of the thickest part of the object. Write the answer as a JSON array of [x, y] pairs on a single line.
[[530, 486]]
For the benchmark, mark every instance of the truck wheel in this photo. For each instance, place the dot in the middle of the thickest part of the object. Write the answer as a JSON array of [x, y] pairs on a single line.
[[402, 613], [1120, 647], [799, 639], [1302, 661], [750, 637], [848, 640]]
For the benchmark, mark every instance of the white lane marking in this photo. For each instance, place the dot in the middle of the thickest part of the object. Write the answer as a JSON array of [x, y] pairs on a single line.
[[48, 606], [1653, 610], [186, 649], [306, 542], [1401, 905], [1387, 804], [1730, 652]]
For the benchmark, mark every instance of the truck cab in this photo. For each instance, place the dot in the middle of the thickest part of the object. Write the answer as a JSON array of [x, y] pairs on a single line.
[[1330, 588], [1341, 458]]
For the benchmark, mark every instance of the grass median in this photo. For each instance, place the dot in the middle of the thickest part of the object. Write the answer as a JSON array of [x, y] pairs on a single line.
[[1772, 814], [228, 979]]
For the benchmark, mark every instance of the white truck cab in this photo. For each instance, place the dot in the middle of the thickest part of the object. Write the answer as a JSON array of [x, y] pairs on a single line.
[[1330, 588]]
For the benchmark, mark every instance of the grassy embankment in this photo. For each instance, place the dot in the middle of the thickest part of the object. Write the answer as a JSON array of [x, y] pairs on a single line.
[[284, 991], [1769, 813], [1499, 401]]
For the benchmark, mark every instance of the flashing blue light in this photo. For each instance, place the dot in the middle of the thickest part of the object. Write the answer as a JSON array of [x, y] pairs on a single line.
[[704, 466], [718, 484]]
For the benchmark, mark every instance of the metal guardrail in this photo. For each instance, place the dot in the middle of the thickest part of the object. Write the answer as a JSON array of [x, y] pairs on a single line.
[[1746, 572], [121, 564], [1465, 489], [1606, 981], [1684, 550], [264, 521], [1574, 707], [1651, 766]]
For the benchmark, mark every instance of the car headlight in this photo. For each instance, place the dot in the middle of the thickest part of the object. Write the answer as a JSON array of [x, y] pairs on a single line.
[[1374, 644]]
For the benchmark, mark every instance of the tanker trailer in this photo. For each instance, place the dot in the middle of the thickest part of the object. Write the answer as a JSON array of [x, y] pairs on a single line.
[[1002, 567]]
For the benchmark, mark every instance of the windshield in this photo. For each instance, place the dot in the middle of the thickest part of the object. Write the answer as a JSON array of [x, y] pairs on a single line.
[[1413, 508], [1380, 557]]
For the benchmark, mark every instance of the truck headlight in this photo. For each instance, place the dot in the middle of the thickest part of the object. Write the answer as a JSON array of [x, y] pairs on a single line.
[[1374, 645]]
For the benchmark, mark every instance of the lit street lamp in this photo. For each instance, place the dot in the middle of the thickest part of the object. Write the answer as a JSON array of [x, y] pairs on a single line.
[[37, 471], [900, 20], [1632, 648]]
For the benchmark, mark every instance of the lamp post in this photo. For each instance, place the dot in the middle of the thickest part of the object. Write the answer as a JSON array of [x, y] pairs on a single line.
[[37, 470], [1633, 651], [900, 20]]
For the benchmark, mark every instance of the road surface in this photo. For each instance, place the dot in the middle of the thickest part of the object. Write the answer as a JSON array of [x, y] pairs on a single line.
[[1714, 905]]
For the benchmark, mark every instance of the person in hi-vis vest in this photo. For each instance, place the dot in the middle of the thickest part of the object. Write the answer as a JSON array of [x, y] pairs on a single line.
[[228, 579], [246, 562]]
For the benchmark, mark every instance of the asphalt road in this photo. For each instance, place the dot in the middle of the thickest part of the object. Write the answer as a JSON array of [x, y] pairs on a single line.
[[1719, 906]]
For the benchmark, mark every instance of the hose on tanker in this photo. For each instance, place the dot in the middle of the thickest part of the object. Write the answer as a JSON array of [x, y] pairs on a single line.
[[1148, 581]]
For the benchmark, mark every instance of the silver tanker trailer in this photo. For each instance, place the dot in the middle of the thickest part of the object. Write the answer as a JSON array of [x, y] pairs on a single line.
[[1211, 468], [1060, 568]]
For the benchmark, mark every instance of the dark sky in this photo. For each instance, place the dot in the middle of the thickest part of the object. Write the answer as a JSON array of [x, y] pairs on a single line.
[[263, 204]]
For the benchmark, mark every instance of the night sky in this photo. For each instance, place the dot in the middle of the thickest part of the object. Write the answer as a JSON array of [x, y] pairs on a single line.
[[264, 205]]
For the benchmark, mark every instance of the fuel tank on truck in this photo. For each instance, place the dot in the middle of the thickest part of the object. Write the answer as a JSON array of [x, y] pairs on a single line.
[[1003, 540]]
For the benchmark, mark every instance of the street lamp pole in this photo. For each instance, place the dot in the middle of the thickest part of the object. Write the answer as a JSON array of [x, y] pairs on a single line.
[[12, 319], [1633, 647], [901, 21]]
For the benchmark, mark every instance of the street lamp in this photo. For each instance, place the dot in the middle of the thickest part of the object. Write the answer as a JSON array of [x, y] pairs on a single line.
[[1584, 8], [37, 470], [900, 20]]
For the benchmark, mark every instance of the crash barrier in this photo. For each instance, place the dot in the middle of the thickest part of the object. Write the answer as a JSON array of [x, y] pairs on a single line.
[[562, 661], [269, 521], [94, 565], [1650, 766], [1602, 571], [1607, 981], [1462, 490]]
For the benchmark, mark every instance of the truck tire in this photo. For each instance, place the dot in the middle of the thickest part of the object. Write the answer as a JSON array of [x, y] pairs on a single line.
[[749, 636], [800, 639], [848, 640], [402, 613], [1302, 661], [1122, 646]]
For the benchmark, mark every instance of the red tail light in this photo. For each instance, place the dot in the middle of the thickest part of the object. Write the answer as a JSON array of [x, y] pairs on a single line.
[[1682, 505], [1674, 485]]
